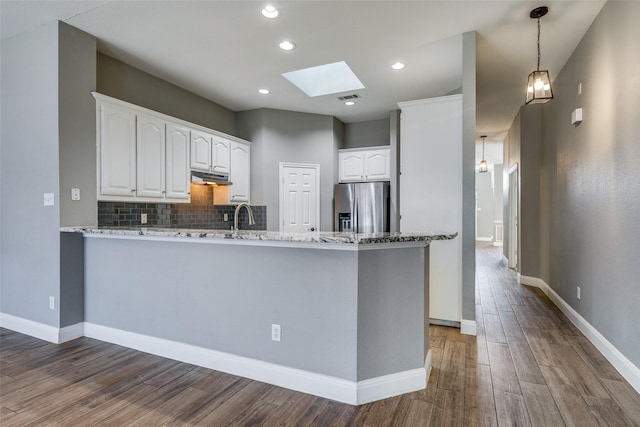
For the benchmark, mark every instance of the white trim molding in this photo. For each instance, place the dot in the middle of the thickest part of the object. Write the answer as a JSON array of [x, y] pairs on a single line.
[[484, 239], [468, 327], [626, 368], [351, 392], [40, 330]]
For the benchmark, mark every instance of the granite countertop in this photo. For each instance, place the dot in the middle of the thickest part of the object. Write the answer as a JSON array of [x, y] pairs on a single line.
[[272, 236]]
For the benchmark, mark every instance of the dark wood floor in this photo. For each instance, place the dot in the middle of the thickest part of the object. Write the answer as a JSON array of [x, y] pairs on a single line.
[[527, 366]]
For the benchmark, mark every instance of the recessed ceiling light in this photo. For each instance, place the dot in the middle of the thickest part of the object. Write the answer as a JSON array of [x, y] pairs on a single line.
[[349, 103], [264, 91], [287, 45], [270, 12], [398, 66]]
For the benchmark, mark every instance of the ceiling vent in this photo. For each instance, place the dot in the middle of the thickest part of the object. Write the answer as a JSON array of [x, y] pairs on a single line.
[[348, 97]]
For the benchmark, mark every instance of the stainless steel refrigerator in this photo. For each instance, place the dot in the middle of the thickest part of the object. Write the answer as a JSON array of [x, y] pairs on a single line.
[[362, 207]]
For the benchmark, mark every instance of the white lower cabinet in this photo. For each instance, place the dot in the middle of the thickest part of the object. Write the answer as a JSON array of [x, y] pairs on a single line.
[[240, 175]]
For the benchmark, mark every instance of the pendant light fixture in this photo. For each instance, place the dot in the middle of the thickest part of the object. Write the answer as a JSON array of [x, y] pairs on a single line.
[[484, 167], [539, 85]]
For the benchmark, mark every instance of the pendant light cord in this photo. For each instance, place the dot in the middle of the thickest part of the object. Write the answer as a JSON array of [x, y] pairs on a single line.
[[538, 44]]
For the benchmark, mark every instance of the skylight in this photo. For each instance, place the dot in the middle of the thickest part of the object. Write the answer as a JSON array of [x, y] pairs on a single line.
[[325, 79]]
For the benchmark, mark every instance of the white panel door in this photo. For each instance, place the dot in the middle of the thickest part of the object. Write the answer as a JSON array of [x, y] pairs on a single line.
[[200, 151], [431, 193], [221, 155], [117, 151], [299, 198], [177, 178], [150, 157]]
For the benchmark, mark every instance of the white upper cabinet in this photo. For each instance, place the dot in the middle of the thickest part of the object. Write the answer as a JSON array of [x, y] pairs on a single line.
[[240, 172], [117, 151], [177, 172], [351, 165], [150, 157], [145, 156], [201, 151], [364, 164], [377, 165], [221, 155]]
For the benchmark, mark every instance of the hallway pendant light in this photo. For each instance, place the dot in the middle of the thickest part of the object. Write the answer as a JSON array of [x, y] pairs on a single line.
[[484, 167], [539, 85]]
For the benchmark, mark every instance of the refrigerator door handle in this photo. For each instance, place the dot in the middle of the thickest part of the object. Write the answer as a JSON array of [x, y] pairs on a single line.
[[354, 215]]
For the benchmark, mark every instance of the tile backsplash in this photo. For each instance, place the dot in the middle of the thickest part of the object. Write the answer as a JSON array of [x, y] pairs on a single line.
[[200, 213]]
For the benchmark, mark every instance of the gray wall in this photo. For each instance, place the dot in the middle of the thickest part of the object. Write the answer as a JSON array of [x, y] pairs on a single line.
[[590, 174], [357, 320], [122, 81], [77, 126], [484, 204], [523, 147], [366, 134], [30, 231], [47, 75], [287, 136], [497, 192], [468, 175]]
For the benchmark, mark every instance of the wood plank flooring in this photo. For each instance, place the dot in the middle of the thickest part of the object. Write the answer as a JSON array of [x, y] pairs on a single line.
[[528, 366]]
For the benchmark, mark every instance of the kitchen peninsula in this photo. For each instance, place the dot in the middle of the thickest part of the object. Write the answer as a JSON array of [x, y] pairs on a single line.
[[337, 315]]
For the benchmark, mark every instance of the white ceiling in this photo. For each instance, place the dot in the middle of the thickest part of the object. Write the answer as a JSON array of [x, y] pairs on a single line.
[[226, 50]]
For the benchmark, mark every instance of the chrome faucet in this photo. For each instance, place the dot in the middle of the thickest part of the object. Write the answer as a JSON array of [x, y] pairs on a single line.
[[235, 216]]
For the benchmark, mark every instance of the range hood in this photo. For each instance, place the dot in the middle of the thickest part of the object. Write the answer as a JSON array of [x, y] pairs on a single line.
[[210, 178]]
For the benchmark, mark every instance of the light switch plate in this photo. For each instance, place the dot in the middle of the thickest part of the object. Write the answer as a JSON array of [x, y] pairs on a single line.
[[49, 199], [576, 116]]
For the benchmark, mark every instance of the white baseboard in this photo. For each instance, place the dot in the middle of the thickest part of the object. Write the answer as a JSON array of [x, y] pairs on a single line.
[[468, 327], [72, 332], [498, 244], [351, 392], [40, 330], [626, 368], [484, 239]]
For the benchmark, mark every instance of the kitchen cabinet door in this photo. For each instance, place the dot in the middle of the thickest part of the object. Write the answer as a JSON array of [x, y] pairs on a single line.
[[150, 159], [117, 151], [377, 165], [200, 151], [351, 166], [178, 176], [221, 155], [240, 172]]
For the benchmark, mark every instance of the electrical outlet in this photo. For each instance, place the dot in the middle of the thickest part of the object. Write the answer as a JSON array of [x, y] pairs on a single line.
[[226, 217], [578, 291], [143, 218], [75, 194], [275, 332], [52, 303], [49, 199]]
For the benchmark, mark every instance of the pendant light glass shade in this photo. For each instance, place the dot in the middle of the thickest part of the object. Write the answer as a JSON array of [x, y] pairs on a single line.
[[484, 166], [539, 84], [539, 87]]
